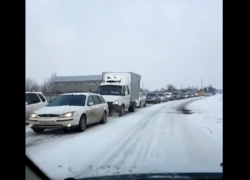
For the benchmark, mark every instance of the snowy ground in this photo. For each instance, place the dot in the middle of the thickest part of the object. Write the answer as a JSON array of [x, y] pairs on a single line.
[[157, 138]]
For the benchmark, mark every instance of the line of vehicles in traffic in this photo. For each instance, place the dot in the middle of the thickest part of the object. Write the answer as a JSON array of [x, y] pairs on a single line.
[[118, 92], [153, 97]]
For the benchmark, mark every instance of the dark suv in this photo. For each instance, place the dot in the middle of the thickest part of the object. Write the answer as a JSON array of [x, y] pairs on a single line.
[[153, 98]]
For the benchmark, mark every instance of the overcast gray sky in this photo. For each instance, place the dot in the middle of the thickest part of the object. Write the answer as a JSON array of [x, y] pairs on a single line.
[[165, 41]]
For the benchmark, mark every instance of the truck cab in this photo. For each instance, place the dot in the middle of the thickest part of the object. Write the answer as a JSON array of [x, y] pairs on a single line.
[[119, 89]]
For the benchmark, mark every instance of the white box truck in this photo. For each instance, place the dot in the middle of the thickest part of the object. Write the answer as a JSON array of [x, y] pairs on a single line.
[[120, 90]]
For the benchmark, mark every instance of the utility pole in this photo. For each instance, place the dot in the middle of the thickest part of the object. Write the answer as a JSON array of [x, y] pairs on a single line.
[[201, 83]]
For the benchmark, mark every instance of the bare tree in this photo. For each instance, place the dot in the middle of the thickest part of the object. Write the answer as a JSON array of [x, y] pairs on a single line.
[[31, 85], [170, 87], [48, 85]]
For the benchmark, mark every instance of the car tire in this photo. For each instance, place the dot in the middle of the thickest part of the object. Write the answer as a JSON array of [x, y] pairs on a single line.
[[82, 124], [38, 130], [121, 111], [104, 118]]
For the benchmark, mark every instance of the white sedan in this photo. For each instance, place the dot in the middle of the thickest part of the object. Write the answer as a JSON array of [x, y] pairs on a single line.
[[71, 110], [141, 101]]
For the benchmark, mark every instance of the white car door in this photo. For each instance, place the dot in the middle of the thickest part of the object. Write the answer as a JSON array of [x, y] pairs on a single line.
[[104, 105], [28, 108], [90, 110], [98, 108], [34, 104], [44, 100]]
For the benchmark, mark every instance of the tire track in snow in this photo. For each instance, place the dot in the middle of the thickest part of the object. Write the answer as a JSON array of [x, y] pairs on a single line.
[[142, 141], [120, 155], [134, 147]]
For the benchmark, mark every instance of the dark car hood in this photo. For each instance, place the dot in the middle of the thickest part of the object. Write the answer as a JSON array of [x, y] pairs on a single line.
[[167, 176]]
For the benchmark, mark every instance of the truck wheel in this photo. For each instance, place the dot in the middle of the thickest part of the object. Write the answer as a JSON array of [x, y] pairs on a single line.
[[131, 108], [121, 111]]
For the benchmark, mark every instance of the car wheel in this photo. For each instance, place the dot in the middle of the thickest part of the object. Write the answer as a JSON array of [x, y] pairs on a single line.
[[104, 118], [82, 124], [38, 130]]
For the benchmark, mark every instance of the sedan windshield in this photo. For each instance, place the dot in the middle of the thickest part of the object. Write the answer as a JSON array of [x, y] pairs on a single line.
[[69, 100], [151, 94]]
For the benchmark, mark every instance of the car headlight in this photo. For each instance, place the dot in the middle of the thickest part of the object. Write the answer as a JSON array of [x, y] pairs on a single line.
[[67, 115], [115, 102], [33, 115], [153, 98]]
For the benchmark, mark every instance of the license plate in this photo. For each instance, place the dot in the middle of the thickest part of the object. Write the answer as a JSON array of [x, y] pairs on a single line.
[[47, 122]]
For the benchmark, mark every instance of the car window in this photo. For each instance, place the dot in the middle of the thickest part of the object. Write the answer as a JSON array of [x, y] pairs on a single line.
[[90, 99], [102, 99], [27, 98], [96, 100], [34, 98], [68, 100], [41, 97]]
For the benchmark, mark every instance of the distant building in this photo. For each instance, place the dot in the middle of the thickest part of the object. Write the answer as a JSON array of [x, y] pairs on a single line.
[[68, 84]]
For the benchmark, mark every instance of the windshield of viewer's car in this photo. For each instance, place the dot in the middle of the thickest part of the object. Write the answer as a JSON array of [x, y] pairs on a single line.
[[69, 100], [114, 52]]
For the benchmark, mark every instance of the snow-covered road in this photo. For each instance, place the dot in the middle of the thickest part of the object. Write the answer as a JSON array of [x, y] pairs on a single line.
[[157, 138]]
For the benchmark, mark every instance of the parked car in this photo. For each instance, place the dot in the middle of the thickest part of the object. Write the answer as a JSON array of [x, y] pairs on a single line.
[[162, 97], [169, 96], [152, 98], [141, 101], [33, 102], [71, 110]]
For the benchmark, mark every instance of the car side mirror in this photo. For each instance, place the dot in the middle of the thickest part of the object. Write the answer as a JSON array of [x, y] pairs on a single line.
[[90, 104], [26, 103]]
